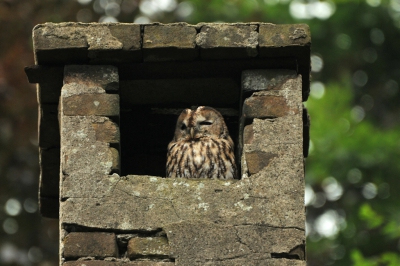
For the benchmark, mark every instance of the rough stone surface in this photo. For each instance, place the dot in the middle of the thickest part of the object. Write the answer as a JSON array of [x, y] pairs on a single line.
[[148, 203], [148, 247], [281, 130], [116, 263], [84, 37], [107, 131], [91, 104], [271, 35], [266, 79], [257, 160], [227, 40], [264, 106], [93, 244], [220, 243], [81, 154], [169, 42], [275, 103], [105, 77]]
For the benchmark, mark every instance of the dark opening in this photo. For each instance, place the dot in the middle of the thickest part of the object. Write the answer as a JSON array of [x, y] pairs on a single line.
[[152, 96]]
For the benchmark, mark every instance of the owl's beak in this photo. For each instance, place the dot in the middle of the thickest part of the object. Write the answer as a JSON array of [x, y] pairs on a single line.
[[192, 132]]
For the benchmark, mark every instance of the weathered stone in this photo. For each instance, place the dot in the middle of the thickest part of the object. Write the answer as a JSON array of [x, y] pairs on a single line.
[[188, 91], [248, 134], [148, 247], [266, 79], [130, 37], [257, 160], [79, 38], [107, 131], [90, 244], [265, 106], [254, 261], [169, 42], [91, 104], [197, 241], [149, 203], [80, 152], [218, 41], [291, 40], [116, 263], [271, 35], [281, 130], [269, 105], [115, 159], [105, 77]]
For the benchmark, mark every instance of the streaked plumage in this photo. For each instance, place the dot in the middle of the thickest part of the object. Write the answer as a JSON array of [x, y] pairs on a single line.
[[201, 147]]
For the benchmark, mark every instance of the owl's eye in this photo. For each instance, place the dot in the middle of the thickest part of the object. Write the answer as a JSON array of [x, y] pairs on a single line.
[[183, 127], [205, 123]]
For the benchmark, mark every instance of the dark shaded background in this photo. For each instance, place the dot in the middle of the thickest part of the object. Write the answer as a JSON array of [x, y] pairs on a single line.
[[352, 198]]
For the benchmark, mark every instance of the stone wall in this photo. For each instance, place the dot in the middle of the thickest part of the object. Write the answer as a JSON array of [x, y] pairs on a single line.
[[104, 89], [108, 219]]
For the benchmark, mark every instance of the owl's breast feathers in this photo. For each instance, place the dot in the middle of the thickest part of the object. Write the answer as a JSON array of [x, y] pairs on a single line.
[[207, 157]]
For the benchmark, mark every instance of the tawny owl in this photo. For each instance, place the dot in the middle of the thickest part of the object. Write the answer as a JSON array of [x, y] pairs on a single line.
[[201, 147]]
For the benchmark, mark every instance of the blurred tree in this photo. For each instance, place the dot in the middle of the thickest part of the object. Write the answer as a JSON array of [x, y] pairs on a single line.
[[352, 171]]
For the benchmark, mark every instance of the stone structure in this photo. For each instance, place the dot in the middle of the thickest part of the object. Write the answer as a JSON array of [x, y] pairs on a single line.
[[109, 96]]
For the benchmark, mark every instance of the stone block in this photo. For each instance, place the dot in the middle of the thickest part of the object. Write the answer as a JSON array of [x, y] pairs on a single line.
[[227, 41], [248, 134], [271, 35], [130, 36], [81, 42], [266, 79], [257, 160], [148, 247], [169, 42], [115, 159], [150, 203], [116, 263], [80, 152], [281, 130], [99, 104], [49, 132], [271, 104], [105, 77], [197, 241], [90, 244], [107, 131]]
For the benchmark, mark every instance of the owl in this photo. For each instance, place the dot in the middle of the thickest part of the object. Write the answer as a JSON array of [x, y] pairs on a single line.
[[201, 147]]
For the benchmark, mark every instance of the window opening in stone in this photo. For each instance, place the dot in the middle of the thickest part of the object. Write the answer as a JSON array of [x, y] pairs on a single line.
[[149, 111]]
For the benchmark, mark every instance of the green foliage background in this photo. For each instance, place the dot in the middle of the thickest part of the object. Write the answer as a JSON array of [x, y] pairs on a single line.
[[352, 173]]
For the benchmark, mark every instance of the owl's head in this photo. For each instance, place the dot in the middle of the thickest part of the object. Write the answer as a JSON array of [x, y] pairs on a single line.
[[203, 122]]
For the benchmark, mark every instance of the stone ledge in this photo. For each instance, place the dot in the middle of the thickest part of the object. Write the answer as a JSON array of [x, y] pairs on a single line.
[[93, 244], [98, 104], [93, 42], [148, 247], [147, 203], [105, 77], [116, 263]]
